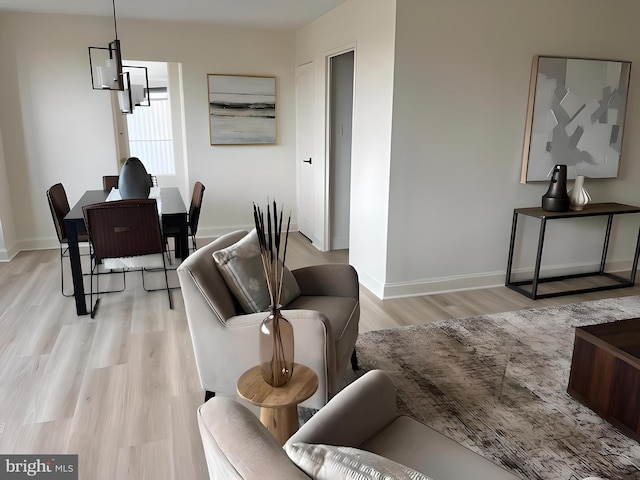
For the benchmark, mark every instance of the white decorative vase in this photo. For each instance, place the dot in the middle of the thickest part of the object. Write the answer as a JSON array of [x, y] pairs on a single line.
[[578, 196]]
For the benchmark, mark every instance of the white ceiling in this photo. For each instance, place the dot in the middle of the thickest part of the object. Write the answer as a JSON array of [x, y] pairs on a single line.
[[280, 14]]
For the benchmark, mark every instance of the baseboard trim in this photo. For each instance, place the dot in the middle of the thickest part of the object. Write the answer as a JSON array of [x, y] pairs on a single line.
[[371, 283], [443, 285], [437, 285], [383, 291], [6, 255]]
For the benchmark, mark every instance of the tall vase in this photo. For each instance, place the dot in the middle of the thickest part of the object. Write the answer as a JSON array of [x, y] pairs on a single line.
[[556, 199], [578, 196], [276, 349], [134, 181]]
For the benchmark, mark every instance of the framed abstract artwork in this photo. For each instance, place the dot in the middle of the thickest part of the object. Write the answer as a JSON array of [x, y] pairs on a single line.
[[575, 117], [242, 109]]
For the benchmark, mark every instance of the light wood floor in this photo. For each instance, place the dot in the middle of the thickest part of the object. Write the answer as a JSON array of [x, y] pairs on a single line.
[[121, 390]]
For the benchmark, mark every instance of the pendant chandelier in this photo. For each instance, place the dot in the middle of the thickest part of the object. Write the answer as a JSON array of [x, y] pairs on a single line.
[[108, 73]]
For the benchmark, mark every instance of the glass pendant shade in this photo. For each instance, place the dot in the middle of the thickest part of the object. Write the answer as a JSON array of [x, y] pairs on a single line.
[[107, 74], [125, 102], [137, 94], [106, 67]]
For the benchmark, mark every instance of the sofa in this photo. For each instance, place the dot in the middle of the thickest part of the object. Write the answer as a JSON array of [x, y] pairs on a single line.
[[358, 432]]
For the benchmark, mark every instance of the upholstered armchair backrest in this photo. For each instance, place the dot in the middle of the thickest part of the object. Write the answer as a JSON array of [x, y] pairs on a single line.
[[238, 447], [201, 281]]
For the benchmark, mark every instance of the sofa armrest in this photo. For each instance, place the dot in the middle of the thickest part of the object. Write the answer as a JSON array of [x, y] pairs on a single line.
[[334, 279], [237, 446], [354, 415]]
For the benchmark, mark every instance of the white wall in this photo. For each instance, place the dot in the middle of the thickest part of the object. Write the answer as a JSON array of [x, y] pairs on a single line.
[[8, 238], [234, 176], [7, 228], [437, 138], [53, 126], [460, 98], [369, 26], [57, 129]]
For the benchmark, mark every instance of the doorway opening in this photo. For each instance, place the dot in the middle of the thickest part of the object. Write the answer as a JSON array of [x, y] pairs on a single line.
[[155, 134], [341, 83]]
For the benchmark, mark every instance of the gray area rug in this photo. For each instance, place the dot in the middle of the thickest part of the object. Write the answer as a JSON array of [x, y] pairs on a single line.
[[497, 384]]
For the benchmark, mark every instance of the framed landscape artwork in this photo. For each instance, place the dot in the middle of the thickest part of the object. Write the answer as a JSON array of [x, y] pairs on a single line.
[[242, 109], [575, 117]]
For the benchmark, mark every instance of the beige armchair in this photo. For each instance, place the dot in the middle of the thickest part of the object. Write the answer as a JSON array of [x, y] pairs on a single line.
[[225, 339], [362, 416]]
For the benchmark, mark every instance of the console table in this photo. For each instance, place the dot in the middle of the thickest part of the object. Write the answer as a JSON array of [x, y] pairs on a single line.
[[591, 210]]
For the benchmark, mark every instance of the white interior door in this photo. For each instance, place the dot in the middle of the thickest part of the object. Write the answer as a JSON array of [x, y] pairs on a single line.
[[304, 148]]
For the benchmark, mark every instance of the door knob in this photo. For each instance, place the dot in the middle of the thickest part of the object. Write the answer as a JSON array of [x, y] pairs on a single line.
[[307, 161]]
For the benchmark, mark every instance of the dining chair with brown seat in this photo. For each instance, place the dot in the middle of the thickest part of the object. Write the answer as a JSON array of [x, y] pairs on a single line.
[[194, 216], [59, 205], [125, 234]]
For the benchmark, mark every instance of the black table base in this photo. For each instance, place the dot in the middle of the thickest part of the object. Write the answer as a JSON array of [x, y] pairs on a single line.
[[597, 209]]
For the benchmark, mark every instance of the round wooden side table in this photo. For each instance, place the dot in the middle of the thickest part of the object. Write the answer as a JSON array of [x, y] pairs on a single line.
[[278, 405]]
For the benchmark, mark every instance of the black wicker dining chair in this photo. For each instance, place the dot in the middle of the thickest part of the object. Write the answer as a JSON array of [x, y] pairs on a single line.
[[109, 182], [126, 234], [59, 205]]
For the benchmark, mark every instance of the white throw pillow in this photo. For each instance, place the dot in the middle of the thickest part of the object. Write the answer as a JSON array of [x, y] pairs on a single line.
[[240, 265], [328, 462]]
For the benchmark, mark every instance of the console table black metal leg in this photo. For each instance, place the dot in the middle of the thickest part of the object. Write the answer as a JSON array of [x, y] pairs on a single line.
[[536, 271], [511, 248], [605, 248], [634, 268]]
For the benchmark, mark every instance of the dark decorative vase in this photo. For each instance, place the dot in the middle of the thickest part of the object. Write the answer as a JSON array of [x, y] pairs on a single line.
[[134, 181], [556, 199], [276, 349]]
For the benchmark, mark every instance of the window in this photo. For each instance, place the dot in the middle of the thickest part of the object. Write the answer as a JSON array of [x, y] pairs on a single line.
[[150, 136]]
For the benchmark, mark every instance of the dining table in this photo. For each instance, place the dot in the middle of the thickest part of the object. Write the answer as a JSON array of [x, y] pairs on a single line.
[[173, 214]]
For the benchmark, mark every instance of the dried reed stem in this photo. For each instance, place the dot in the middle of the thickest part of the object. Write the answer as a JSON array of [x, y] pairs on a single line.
[[270, 241]]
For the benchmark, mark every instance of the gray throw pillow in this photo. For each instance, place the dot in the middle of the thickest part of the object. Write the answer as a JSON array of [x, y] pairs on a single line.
[[240, 265], [328, 462]]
